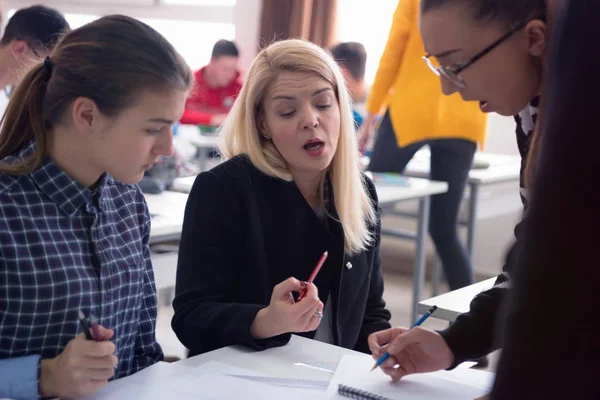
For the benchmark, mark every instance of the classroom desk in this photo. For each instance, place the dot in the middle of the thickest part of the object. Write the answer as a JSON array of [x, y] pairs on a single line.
[[502, 168], [166, 210], [389, 196], [203, 142], [451, 305], [302, 369]]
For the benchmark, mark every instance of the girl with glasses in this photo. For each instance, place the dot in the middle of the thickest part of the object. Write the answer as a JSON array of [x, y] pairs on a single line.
[[490, 52]]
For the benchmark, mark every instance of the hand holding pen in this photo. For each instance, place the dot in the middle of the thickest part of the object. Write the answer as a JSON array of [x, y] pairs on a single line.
[[285, 315], [83, 367], [410, 351]]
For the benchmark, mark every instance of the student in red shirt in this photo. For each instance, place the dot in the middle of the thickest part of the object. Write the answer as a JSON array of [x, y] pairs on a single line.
[[216, 87]]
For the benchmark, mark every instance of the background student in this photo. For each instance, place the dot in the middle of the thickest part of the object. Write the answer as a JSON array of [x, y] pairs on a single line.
[[352, 59], [216, 86], [501, 46], [30, 34], [79, 132], [290, 190], [419, 114]]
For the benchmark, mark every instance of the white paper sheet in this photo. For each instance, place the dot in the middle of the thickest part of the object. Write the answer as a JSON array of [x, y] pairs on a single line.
[[461, 383], [320, 366], [216, 367], [210, 381]]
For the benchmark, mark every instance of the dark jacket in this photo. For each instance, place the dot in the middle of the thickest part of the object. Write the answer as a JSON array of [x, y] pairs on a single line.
[[245, 232], [472, 336]]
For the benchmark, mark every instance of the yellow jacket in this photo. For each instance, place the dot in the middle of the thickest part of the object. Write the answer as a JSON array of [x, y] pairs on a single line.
[[418, 108]]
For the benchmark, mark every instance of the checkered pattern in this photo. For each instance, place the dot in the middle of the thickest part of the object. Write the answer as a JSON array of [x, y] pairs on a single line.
[[526, 121], [65, 248]]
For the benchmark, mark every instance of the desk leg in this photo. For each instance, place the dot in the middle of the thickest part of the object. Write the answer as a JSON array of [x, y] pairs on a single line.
[[472, 218], [419, 272], [436, 276], [202, 159]]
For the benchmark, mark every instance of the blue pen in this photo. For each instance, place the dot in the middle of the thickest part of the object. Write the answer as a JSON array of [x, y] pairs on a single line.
[[419, 322]]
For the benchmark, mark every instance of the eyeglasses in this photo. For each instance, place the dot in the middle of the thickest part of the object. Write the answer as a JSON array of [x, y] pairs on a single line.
[[452, 72]]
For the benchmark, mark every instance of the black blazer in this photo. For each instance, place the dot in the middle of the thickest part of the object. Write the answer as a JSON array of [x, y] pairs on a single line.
[[244, 232]]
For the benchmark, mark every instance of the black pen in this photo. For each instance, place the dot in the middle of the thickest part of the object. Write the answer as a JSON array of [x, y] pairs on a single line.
[[84, 326]]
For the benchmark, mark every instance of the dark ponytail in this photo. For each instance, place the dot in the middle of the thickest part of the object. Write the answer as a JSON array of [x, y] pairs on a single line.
[[109, 61], [23, 121]]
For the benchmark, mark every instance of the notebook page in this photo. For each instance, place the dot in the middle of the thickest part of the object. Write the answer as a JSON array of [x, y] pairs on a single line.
[[353, 371]]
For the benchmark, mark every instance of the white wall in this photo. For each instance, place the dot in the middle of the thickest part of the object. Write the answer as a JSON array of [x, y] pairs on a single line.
[[501, 135], [247, 28]]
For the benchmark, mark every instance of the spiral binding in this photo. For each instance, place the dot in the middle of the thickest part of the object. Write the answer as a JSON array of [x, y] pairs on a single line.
[[353, 393]]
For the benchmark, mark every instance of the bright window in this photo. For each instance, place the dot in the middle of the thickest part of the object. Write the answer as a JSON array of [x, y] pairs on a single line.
[[193, 33], [369, 23], [77, 20], [221, 3], [193, 40]]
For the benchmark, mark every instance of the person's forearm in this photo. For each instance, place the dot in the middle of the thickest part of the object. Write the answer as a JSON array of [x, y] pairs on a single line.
[[262, 327], [46, 379]]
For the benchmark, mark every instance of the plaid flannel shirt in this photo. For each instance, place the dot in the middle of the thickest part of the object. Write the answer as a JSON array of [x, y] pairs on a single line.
[[65, 248]]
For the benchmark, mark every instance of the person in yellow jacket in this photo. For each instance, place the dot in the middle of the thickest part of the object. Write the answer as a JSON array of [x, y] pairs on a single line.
[[418, 114]]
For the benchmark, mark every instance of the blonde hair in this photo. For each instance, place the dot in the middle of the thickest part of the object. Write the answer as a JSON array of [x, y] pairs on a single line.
[[241, 134]]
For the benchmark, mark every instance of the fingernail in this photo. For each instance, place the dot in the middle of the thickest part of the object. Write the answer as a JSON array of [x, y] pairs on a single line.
[[303, 283]]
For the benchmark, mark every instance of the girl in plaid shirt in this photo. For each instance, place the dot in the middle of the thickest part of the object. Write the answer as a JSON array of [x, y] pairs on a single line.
[[79, 132]]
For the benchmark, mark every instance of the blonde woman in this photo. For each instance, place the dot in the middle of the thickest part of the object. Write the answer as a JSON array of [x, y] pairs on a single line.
[[256, 225]]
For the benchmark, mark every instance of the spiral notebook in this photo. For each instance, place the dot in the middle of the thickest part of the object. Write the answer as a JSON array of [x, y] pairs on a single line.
[[352, 379]]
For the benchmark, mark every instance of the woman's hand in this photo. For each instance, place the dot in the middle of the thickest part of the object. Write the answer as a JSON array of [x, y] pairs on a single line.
[[83, 367], [365, 133], [284, 315], [411, 351]]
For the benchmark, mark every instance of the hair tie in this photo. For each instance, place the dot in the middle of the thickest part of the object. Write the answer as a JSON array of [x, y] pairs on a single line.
[[48, 64]]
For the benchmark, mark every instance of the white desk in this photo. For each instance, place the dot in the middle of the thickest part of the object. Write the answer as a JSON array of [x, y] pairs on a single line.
[[307, 367], [451, 305], [167, 211], [389, 196], [502, 168]]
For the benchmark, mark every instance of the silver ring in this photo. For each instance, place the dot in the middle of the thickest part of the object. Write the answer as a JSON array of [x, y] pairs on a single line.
[[319, 314]]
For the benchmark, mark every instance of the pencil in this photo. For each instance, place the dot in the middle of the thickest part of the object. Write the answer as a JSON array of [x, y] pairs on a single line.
[[419, 322], [312, 276]]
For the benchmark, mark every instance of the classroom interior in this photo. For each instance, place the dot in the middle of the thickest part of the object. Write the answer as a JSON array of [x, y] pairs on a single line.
[[490, 206]]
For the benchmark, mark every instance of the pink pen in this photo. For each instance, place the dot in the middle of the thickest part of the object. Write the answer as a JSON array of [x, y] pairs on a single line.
[[314, 274], [85, 323]]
